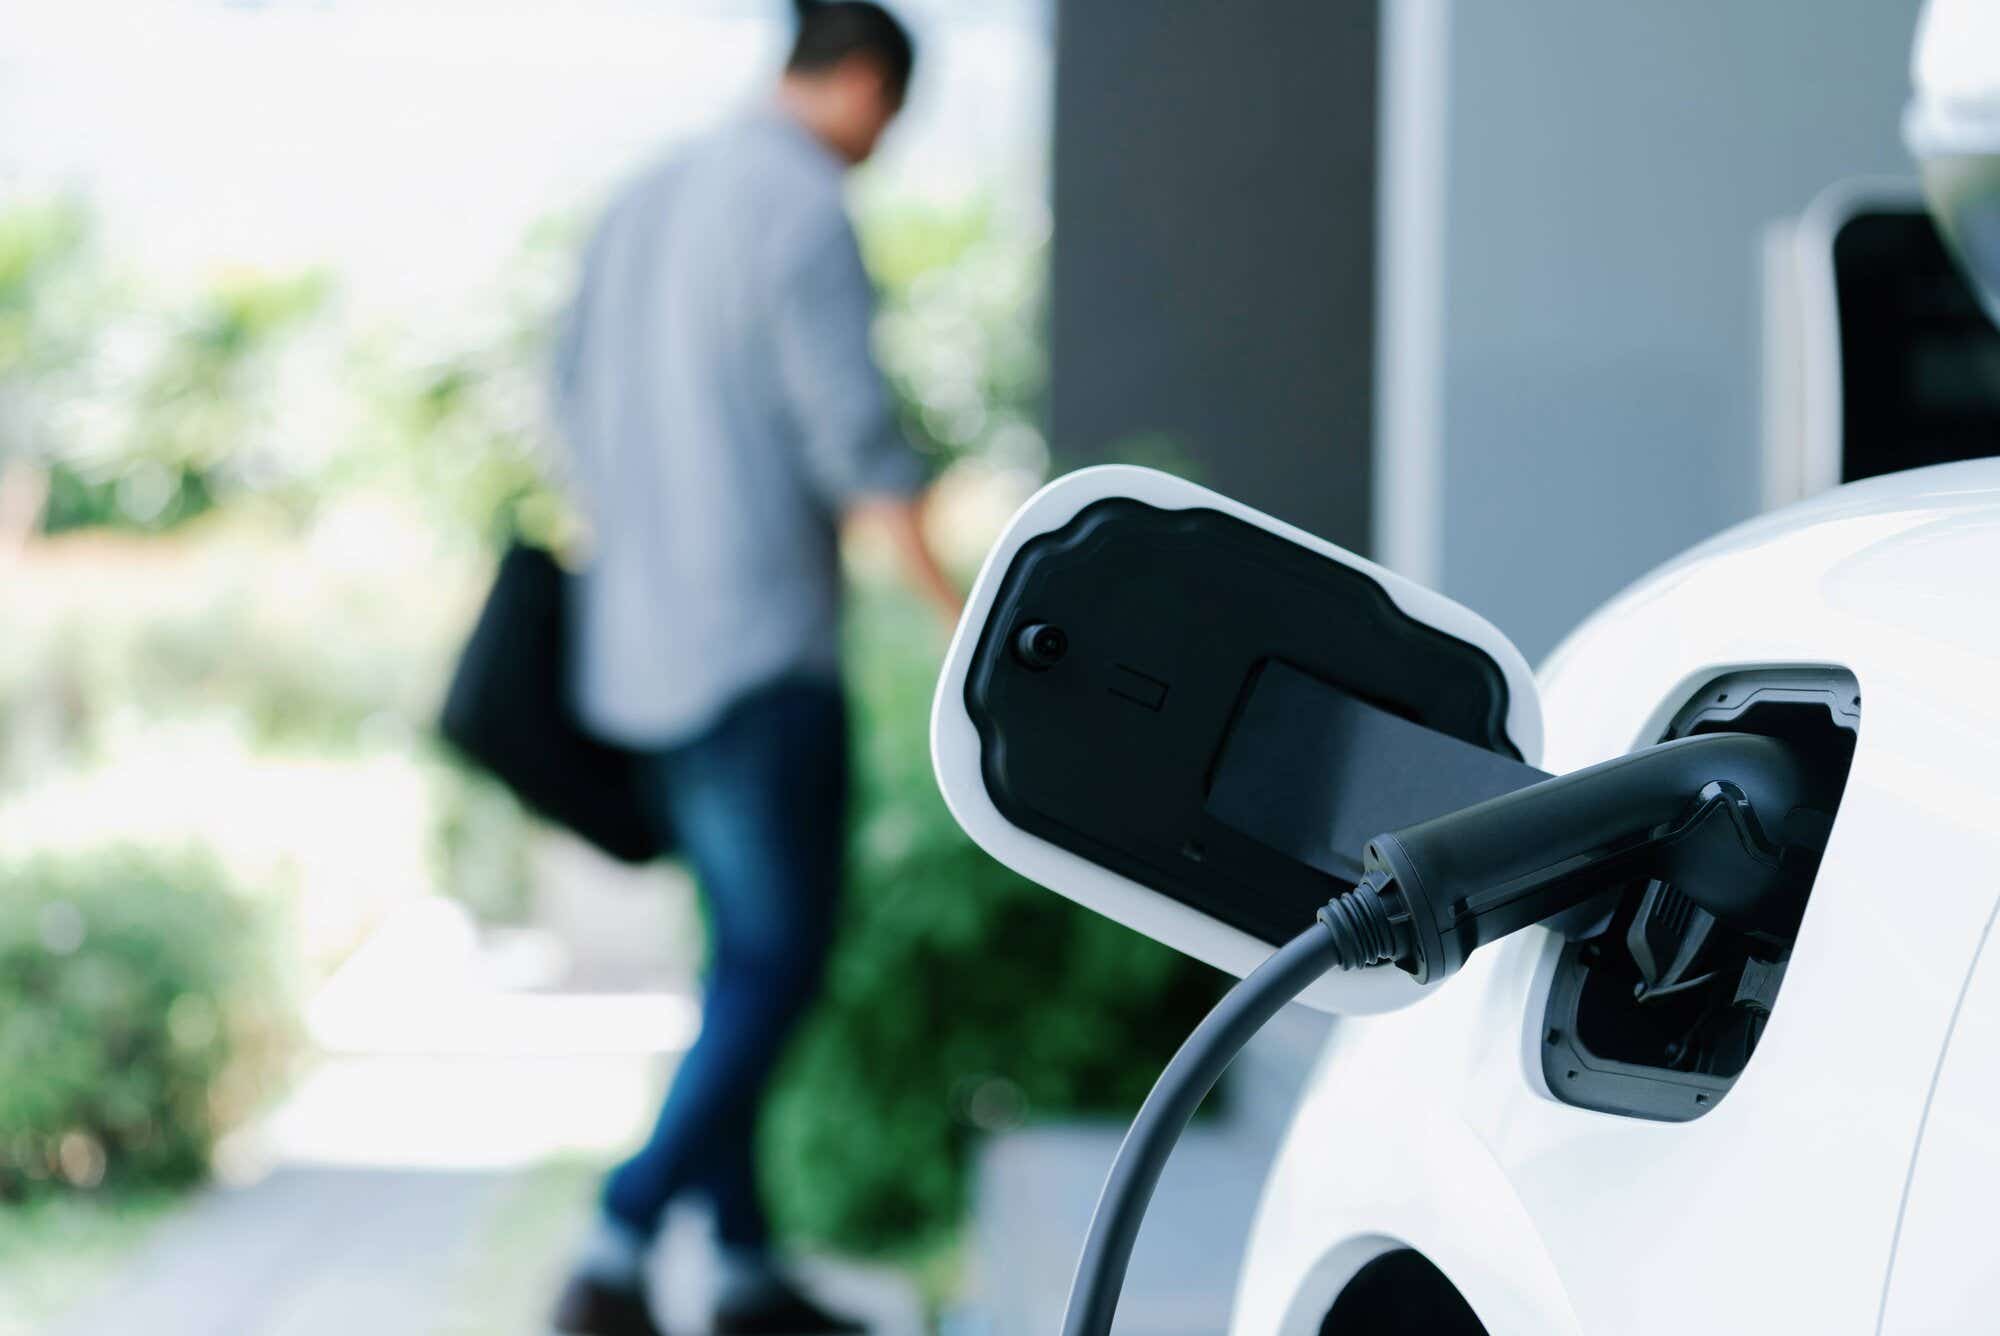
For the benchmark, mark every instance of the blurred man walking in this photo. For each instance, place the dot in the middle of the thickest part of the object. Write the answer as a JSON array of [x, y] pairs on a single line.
[[717, 388]]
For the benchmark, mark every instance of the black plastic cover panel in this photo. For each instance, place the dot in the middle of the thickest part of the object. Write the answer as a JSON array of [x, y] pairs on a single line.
[[1315, 773], [1114, 748]]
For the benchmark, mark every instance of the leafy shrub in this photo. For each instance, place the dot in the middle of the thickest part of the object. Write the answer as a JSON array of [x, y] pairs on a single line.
[[140, 1016], [143, 415], [962, 999]]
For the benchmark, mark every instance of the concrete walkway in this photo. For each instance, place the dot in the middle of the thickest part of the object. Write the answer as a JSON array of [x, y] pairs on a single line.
[[349, 1251], [430, 1176], [305, 1252]]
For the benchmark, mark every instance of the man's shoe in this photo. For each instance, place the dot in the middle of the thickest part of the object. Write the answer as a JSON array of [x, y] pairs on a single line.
[[778, 1309], [589, 1307]]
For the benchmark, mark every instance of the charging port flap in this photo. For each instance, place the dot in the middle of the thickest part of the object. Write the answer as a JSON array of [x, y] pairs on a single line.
[[1185, 694]]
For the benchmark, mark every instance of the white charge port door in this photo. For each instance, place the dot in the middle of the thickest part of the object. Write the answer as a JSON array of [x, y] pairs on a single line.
[[1191, 717]]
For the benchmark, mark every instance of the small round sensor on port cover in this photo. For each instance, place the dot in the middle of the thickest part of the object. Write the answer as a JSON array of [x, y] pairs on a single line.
[[1040, 646]]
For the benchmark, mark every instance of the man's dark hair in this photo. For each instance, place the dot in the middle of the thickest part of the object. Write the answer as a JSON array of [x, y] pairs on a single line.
[[832, 30]]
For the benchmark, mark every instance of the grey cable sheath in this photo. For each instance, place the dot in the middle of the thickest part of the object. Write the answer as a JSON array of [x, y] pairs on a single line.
[[1128, 1189]]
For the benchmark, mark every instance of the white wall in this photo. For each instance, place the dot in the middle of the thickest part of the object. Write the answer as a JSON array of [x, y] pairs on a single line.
[[1589, 352]]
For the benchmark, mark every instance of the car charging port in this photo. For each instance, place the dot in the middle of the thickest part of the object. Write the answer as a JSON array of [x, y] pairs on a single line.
[[1657, 1003]]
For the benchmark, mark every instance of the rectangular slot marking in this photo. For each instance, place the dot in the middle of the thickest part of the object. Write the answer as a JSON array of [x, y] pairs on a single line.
[[1138, 687]]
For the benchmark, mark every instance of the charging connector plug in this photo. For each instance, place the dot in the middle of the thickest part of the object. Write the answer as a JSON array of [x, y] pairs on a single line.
[[1720, 815], [1712, 814]]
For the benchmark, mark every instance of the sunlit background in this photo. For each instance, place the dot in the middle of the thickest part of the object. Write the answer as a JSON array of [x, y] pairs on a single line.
[[274, 287]]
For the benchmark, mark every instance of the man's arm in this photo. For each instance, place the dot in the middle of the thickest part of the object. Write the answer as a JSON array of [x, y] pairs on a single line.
[[855, 452], [903, 520]]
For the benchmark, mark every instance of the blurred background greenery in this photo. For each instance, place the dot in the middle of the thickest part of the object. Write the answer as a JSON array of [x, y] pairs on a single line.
[[242, 540]]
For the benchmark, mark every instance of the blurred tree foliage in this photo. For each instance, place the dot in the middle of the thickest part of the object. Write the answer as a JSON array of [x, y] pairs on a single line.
[[141, 1016], [48, 307], [960, 331], [140, 415], [962, 1000], [466, 432], [197, 417]]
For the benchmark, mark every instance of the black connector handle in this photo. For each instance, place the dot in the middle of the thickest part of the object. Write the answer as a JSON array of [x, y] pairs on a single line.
[[1708, 813]]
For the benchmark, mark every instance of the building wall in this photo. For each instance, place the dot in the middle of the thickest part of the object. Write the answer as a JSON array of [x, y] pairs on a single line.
[[1608, 169], [1212, 285]]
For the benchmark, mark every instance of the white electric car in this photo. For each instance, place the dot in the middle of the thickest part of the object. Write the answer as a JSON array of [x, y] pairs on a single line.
[[1641, 1118], [1844, 1180], [1664, 992]]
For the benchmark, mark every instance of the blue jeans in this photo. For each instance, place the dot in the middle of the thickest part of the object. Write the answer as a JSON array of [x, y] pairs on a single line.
[[758, 806]]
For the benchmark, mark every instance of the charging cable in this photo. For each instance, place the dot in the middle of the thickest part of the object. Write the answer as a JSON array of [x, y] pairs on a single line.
[[1714, 814], [1192, 1073]]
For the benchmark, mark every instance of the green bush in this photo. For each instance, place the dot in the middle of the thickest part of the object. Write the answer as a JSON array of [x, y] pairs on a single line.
[[140, 413], [962, 999], [140, 1016]]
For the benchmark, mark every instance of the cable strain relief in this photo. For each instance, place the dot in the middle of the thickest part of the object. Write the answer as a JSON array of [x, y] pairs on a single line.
[[1359, 921]]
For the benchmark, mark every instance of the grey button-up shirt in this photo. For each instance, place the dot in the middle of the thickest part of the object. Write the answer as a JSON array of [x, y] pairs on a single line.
[[716, 386]]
